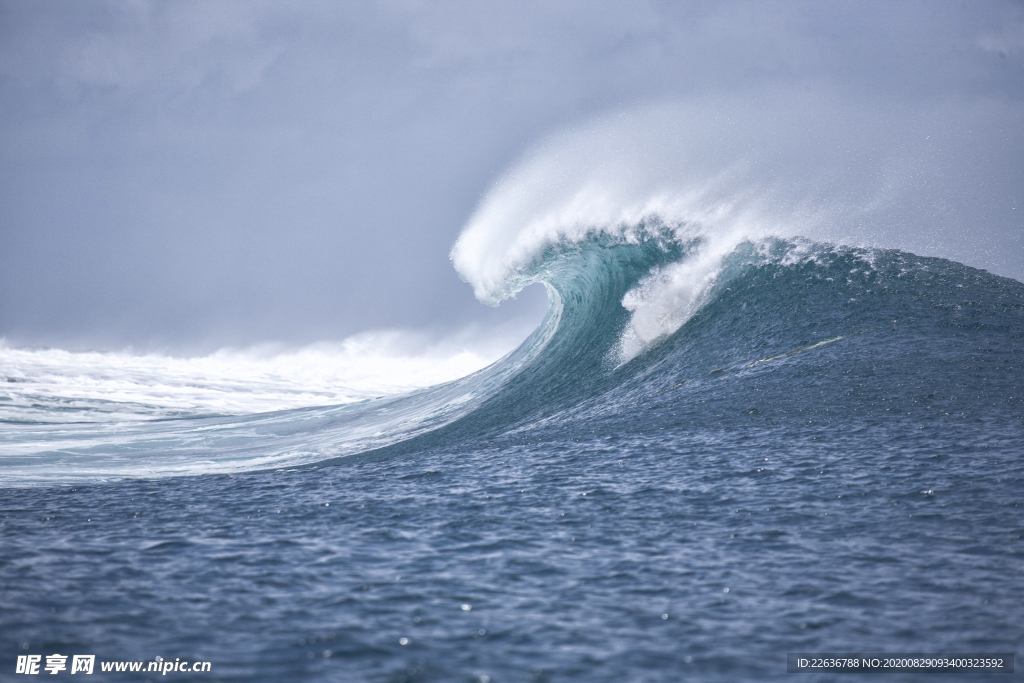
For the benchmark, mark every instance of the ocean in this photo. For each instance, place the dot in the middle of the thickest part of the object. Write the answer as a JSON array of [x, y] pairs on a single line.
[[684, 473]]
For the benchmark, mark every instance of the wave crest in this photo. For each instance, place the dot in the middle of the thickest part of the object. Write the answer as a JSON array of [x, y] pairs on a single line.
[[716, 172]]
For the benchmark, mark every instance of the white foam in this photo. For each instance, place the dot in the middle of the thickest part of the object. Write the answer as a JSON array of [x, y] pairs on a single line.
[[685, 166], [708, 168], [57, 385], [723, 170], [664, 300]]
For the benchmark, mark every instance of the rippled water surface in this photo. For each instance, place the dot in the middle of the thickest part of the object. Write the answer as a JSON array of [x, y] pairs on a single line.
[[811, 463]]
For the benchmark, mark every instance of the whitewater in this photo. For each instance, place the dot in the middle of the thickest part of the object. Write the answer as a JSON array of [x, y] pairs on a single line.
[[772, 407]]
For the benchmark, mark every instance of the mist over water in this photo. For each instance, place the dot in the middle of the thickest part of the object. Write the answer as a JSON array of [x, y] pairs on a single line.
[[714, 172]]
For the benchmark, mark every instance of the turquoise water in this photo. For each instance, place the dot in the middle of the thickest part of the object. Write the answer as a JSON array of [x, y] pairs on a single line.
[[825, 456]]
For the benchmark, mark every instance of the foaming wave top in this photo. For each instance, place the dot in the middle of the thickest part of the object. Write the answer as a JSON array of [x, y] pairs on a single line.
[[714, 172]]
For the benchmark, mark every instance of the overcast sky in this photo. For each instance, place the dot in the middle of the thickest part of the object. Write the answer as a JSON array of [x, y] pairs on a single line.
[[191, 174]]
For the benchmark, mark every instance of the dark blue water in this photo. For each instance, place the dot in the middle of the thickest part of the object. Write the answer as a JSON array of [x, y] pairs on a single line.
[[827, 457]]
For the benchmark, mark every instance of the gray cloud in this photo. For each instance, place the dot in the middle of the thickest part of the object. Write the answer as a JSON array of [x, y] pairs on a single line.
[[198, 173]]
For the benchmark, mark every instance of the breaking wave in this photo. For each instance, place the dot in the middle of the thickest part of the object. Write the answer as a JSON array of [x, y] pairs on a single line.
[[673, 243]]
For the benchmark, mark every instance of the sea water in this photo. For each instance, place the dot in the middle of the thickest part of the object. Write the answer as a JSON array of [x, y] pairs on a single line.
[[821, 454], [760, 417]]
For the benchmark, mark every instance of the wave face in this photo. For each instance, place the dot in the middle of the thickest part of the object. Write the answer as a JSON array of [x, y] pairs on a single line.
[[673, 241], [635, 318], [98, 416], [733, 436], [777, 327], [820, 445]]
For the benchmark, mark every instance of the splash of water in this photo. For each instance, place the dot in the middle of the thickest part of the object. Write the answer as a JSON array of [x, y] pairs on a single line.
[[715, 172]]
